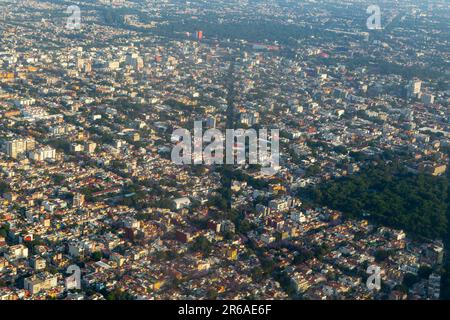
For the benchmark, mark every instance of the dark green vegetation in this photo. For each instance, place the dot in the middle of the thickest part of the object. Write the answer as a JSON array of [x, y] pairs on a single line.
[[390, 196], [4, 187], [445, 280], [383, 67], [201, 244]]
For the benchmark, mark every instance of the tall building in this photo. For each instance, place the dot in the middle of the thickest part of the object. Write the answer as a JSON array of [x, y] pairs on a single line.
[[80, 63], [135, 61], [428, 98], [88, 67], [413, 88], [78, 200], [42, 154], [19, 146]]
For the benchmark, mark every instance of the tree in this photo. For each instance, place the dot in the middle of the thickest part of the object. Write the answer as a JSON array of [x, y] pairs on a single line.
[[401, 288], [257, 274], [4, 187], [381, 255], [58, 178], [118, 294], [424, 272], [410, 279], [267, 265], [302, 256], [4, 230], [212, 294], [201, 244], [97, 255], [391, 196]]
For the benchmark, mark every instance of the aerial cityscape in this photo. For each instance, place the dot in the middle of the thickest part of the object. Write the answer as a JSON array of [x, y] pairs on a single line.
[[224, 150]]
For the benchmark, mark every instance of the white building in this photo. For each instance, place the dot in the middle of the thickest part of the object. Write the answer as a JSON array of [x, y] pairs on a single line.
[[428, 98], [40, 282], [17, 252], [42, 154], [182, 203]]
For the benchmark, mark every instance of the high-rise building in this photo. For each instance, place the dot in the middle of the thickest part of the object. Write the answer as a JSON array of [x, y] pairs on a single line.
[[42, 154], [413, 88], [88, 67], [78, 200], [19, 146], [428, 98], [80, 63], [135, 61]]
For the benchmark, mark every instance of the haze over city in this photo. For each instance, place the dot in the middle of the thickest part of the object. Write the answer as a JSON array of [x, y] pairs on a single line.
[[224, 150]]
